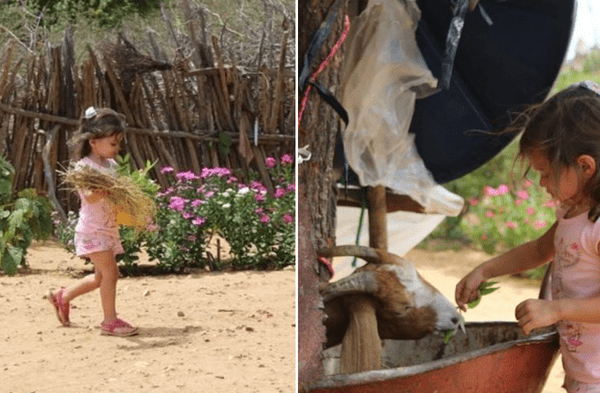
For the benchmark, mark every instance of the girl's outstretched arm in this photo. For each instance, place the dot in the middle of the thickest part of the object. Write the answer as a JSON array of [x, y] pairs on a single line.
[[524, 257]]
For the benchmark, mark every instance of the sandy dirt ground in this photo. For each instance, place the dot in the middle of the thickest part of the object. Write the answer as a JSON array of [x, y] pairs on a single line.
[[211, 332], [444, 269]]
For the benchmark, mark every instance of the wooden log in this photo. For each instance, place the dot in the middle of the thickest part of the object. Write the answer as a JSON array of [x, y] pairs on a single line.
[[262, 169], [7, 62], [49, 172], [224, 93], [201, 135], [279, 87], [376, 204], [117, 89]]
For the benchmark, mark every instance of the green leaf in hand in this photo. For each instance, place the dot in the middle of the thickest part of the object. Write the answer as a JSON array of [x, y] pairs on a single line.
[[485, 288]]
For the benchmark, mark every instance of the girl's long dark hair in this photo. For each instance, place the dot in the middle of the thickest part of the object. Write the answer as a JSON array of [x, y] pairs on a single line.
[[565, 127], [105, 123]]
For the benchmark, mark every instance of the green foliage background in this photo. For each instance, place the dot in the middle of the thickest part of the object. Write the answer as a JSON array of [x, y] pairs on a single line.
[[502, 169]]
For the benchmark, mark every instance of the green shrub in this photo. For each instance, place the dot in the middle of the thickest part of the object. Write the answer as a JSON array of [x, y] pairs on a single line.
[[24, 217], [258, 227]]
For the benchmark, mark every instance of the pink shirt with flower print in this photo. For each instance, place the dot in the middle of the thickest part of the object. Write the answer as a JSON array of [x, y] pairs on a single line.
[[576, 275]]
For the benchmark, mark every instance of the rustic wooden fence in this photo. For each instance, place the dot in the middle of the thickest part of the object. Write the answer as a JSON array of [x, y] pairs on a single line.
[[188, 113]]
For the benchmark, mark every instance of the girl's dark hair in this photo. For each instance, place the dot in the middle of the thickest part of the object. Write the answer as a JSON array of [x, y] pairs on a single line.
[[565, 127], [106, 122]]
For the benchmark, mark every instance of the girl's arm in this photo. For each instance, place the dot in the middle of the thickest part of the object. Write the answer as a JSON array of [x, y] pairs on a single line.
[[93, 196], [536, 313], [524, 257]]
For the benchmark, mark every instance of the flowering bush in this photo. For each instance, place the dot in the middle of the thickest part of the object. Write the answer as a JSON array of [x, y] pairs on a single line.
[[508, 218], [258, 226]]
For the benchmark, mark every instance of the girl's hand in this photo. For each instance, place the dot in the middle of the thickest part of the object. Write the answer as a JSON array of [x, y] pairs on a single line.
[[467, 289], [95, 196], [536, 313]]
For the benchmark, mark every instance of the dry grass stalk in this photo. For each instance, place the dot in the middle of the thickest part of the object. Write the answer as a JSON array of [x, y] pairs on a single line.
[[134, 207]]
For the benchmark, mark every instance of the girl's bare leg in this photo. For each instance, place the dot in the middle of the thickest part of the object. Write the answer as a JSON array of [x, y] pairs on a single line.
[[105, 277], [85, 285], [106, 265]]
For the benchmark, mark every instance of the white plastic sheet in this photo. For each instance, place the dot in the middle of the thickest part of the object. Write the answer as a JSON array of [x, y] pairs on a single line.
[[383, 74]]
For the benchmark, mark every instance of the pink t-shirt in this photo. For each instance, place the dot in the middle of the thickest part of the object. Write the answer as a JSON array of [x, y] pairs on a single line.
[[97, 228], [576, 275]]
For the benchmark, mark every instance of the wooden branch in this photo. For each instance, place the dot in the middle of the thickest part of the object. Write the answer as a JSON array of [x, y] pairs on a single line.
[[214, 71], [146, 131], [48, 173]]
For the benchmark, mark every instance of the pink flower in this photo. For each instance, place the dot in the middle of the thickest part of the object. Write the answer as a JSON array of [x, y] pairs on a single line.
[[539, 224], [265, 219], [279, 193], [220, 172], [177, 203], [530, 211], [197, 202], [187, 215], [288, 219], [166, 169], [502, 189], [518, 202], [489, 214], [523, 194], [574, 246], [511, 224], [270, 162], [473, 201], [189, 175], [489, 191], [259, 210], [484, 237], [291, 188], [259, 197], [527, 183], [287, 159], [550, 204], [198, 221]]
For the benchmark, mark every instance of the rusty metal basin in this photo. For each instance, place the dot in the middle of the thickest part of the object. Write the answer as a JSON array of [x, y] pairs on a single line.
[[490, 357]]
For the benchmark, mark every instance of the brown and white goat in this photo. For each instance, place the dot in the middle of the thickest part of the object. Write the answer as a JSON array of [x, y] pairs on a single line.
[[385, 299]]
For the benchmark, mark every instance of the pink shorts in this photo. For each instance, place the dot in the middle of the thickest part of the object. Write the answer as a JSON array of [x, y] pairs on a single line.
[[86, 244], [573, 386]]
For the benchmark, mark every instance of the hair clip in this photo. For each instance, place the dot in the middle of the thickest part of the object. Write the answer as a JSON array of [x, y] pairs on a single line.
[[90, 113], [590, 85]]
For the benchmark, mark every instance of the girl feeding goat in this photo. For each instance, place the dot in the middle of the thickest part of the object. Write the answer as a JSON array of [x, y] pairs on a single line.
[[561, 140]]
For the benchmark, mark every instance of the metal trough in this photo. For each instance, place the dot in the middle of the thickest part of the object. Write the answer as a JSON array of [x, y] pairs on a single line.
[[491, 357]]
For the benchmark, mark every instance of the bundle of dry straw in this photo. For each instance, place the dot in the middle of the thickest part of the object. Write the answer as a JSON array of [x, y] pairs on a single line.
[[134, 208]]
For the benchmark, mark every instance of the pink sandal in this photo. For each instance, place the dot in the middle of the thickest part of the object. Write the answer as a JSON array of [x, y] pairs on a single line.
[[119, 328], [61, 308]]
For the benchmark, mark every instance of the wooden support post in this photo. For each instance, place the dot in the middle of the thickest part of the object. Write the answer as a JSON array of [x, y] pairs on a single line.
[[376, 204]]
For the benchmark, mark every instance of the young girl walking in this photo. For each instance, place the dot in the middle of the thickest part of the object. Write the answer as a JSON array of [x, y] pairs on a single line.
[[561, 140], [96, 144]]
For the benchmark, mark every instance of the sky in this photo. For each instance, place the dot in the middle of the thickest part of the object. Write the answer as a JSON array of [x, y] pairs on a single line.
[[587, 26]]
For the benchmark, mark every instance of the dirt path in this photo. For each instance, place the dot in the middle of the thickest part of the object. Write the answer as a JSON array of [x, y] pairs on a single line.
[[212, 332], [444, 269]]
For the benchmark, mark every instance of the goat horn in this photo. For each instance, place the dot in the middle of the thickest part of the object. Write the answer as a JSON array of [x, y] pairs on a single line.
[[367, 253], [355, 284]]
